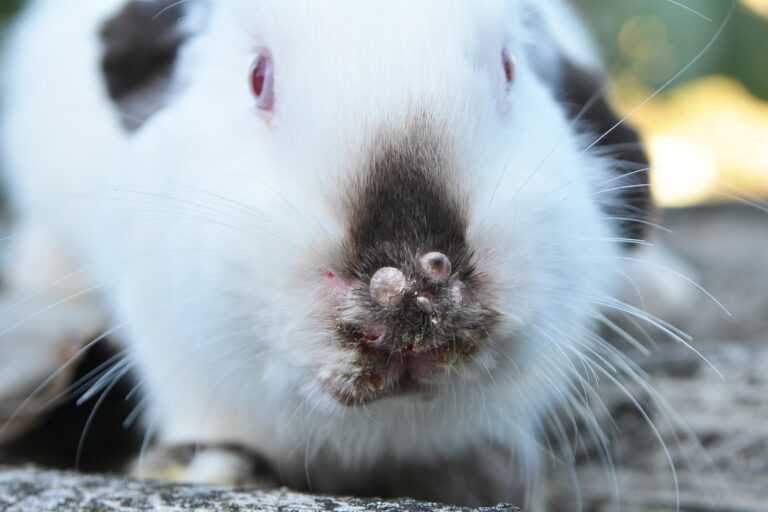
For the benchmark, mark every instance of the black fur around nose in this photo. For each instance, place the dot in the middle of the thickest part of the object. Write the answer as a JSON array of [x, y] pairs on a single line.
[[404, 204]]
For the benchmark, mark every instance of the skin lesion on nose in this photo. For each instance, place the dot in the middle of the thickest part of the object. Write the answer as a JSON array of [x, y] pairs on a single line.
[[413, 286], [388, 286], [435, 266]]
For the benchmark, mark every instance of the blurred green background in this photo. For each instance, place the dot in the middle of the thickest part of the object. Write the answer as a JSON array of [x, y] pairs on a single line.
[[654, 39], [707, 134], [8, 7]]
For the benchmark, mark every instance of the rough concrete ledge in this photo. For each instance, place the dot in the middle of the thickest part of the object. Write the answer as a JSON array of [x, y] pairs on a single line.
[[35, 490]]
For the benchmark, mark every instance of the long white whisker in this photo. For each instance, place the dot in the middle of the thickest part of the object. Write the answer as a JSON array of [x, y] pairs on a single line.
[[690, 9], [115, 380], [669, 82], [27, 401], [681, 276]]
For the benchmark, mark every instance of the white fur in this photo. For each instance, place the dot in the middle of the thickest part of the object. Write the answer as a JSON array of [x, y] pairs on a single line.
[[208, 227]]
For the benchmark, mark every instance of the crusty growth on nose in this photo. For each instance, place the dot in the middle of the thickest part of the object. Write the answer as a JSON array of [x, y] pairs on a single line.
[[435, 266], [387, 287]]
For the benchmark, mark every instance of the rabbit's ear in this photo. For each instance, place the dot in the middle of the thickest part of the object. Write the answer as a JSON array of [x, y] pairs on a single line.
[[140, 46], [626, 196], [565, 57]]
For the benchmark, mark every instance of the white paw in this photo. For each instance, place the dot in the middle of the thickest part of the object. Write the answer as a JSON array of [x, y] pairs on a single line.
[[220, 465]]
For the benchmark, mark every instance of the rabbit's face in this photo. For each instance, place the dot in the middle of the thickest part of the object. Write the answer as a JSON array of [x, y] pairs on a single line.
[[396, 204]]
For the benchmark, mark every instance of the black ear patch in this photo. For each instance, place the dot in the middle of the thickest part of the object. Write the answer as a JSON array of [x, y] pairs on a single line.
[[581, 93], [141, 44]]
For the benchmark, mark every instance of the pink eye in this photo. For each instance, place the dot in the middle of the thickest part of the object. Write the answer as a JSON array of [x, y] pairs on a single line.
[[509, 66], [263, 83]]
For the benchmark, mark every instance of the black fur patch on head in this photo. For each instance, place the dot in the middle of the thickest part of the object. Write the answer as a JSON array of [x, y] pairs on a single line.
[[141, 43], [582, 95], [403, 204]]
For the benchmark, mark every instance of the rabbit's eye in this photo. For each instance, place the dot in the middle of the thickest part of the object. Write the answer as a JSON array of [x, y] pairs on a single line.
[[263, 83], [509, 65]]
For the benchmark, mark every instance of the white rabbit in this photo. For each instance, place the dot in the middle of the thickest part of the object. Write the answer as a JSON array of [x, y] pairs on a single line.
[[367, 241]]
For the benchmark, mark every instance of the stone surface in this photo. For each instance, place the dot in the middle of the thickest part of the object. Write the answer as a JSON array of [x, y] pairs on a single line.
[[33, 490]]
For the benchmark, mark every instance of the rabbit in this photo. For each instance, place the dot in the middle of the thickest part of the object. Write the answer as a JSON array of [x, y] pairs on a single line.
[[366, 243]]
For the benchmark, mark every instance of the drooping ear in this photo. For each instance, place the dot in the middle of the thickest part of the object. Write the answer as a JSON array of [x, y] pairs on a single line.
[[630, 205], [565, 57], [141, 44]]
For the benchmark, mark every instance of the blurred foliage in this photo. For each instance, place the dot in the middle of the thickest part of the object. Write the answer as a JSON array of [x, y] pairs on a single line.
[[651, 40], [9, 7], [706, 133]]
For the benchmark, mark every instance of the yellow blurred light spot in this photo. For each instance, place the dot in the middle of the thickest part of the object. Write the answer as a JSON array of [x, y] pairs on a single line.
[[684, 173], [710, 130], [642, 37], [759, 6], [644, 43]]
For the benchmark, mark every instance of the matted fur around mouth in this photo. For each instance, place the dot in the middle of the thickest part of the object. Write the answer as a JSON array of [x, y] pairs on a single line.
[[380, 374], [405, 350]]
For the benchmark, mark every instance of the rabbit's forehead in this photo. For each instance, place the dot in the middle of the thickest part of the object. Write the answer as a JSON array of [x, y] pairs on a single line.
[[392, 49], [402, 24]]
